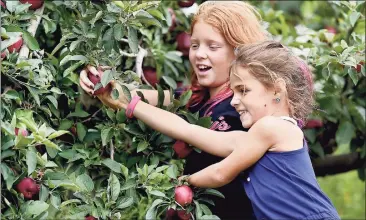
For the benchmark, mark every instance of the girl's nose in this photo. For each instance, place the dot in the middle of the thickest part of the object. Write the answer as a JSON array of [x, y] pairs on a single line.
[[234, 101], [201, 53]]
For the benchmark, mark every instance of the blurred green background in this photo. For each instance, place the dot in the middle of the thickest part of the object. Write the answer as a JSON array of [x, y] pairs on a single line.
[[347, 193]]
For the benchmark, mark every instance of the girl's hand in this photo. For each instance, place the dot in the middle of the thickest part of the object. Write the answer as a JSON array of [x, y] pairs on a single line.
[[107, 99], [84, 81]]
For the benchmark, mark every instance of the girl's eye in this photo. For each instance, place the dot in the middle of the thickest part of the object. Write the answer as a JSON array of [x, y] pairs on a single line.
[[194, 46], [213, 47]]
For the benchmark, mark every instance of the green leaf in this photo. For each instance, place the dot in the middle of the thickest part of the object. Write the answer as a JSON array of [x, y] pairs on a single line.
[[125, 202], [34, 92], [344, 135], [142, 146], [43, 193], [161, 96], [107, 77], [35, 208], [85, 182], [126, 92], [65, 124], [214, 192], [55, 200], [204, 122], [157, 193], [132, 39], [174, 56], [354, 17], [81, 131], [52, 100], [353, 74], [210, 217], [106, 135], [7, 128], [121, 116], [115, 187], [170, 82], [31, 161], [57, 134], [96, 18], [30, 41], [151, 212], [115, 94], [118, 31], [172, 171], [113, 165], [184, 98]]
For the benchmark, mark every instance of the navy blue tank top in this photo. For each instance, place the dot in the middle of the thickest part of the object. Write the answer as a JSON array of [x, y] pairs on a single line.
[[282, 185]]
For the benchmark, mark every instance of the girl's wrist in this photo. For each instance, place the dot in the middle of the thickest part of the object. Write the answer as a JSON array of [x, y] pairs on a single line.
[[131, 106]]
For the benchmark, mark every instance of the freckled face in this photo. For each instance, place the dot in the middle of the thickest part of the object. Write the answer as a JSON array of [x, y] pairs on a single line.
[[210, 55], [252, 100]]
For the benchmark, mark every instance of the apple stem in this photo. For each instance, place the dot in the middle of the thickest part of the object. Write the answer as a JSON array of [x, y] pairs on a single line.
[[24, 50], [112, 150]]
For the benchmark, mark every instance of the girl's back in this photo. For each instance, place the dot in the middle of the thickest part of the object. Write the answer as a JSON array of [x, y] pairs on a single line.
[[280, 180]]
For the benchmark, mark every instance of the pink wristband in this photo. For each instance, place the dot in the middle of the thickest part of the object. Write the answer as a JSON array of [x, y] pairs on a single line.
[[131, 106]]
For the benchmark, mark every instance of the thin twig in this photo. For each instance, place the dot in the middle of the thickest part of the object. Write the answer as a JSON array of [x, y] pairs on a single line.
[[24, 51], [92, 116]]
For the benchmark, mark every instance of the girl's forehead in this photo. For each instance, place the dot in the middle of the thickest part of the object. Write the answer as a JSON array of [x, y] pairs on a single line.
[[239, 76]]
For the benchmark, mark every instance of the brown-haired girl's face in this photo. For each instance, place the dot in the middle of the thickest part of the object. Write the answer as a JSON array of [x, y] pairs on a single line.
[[210, 55], [252, 100]]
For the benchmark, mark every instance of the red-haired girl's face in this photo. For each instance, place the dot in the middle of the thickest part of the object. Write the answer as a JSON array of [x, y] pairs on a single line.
[[210, 56]]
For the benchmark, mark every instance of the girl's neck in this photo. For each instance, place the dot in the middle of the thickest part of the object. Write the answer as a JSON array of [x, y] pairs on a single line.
[[214, 91]]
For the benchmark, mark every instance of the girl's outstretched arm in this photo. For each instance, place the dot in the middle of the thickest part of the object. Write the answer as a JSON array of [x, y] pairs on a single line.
[[254, 145], [214, 142]]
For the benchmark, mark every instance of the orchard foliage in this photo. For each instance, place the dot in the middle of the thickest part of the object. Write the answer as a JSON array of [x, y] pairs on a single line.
[[88, 160]]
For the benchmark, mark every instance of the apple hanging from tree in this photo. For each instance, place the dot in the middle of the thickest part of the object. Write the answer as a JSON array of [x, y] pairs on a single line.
[[28, 187], [2, 4], [182, 149], [96, 79], [14, 47], [22, 131], [359, 66], [182, 214], [35, 4], [90, 217], [150, 75], [183, 43], [331, 29], [183, 195], [185, 3], [170, 214], [314, 123]]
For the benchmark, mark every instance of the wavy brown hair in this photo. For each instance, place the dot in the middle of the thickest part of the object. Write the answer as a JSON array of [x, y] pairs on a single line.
[[238, 22], [270, 60]]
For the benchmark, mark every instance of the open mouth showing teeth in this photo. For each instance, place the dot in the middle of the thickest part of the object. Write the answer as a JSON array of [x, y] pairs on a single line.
[[203, 67]]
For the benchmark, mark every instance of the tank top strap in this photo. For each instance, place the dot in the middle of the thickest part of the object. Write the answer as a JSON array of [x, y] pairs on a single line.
[[289, 119]]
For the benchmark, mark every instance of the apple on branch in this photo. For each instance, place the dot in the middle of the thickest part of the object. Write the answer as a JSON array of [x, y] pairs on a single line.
[[28, 187]]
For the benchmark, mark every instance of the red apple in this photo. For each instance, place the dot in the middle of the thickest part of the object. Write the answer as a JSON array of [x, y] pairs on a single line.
[[150, 75], [331, 29], [35, 4], [96, 79], [73, 130], [183, 195], [183, 43], [23, 132], [182, 214], [2, 4], [185, 3], [314, 123], [359, 66], [182, 149], [90, 217], [174, 19], [14, 47], [28, 187], [170, 213]]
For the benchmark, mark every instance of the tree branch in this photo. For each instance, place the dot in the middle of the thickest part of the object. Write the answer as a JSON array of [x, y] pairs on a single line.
[[331, 165], [24, 51]]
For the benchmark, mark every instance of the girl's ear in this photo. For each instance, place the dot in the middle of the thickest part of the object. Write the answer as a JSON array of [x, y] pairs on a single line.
[[280, 87]]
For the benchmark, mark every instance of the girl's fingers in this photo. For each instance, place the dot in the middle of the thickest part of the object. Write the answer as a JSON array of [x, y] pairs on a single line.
[[86, 88], [92, 70], [84, 78]]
